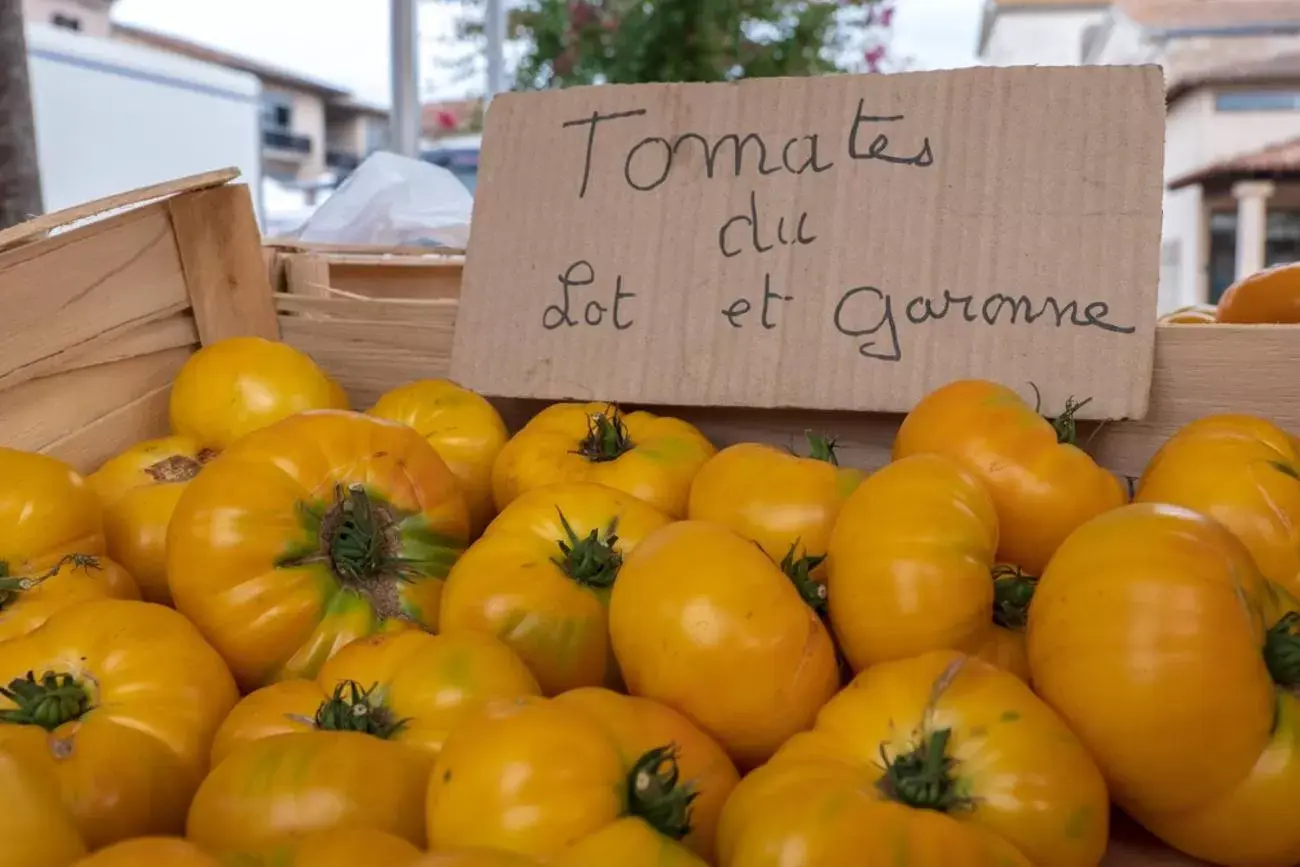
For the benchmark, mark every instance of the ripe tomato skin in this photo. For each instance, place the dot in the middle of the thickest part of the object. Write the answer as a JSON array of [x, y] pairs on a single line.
[[463, 428], [628, 843], [509, 583], [476, 858], [254, 545], [779, 500], [1006, 649], [431, 682], [235, 386], [37, 829], [542, 776], [909, 564], [1022, 790], [154, 695], [335, 847], [52, 536], [1042, 489], [152, 851], [309, 781], [1192, 314], [1240, 470], [1146, 633], [703, 621], [1270, 295], [653, 458], [139, 489]]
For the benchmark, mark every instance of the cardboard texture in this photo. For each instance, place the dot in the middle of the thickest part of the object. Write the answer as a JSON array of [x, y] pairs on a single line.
[[844, 242]]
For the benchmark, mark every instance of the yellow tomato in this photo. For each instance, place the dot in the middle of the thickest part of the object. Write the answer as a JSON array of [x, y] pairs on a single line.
[[1042, 483], [476, 858], [241, 384], [151, 851], [785, 503], [139, 489], [540, 579], [1192, 314], [910, 562], [653, 458], [463, 428], [1004, 643], [118, 702], [542, 776], [1242, 471], [410, 687], [51, 543], [36, 828], [1154, 636], [295, 783], [1271, 296], [704, 622], [302, 537], [628, 843], [335, 847], [933, 761]]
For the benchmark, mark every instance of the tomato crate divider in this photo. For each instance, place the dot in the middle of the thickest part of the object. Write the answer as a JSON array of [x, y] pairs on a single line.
[[100, 306]]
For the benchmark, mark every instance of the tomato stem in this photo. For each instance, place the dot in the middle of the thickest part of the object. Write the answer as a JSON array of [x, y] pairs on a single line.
[[922, 778], [656, 794], [798, 570], [354, 709], [1013, 590], [592, 560], [822, 448], [50, 702], [1282, 650], [12, 587], [607, 437], [179, 468]]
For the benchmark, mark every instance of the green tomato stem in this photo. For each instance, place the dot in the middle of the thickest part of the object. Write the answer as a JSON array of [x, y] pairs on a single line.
[[1013, 591], [593, 560], [354, 709], [50, 702], [923, 778], [656, 794], [607, 437], [1282, 651], [798, 570]]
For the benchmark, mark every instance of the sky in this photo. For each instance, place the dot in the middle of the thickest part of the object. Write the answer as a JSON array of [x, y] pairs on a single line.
[[346, 42]]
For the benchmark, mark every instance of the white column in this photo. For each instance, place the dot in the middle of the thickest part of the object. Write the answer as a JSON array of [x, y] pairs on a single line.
[[494, 25], [1252, 222], [405, 79]]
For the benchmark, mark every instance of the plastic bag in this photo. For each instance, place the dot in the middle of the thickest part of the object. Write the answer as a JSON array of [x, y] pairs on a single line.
[[392, 200]]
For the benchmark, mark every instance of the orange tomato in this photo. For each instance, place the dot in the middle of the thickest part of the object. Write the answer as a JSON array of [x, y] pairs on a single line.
[[540, 579], [463, 428], [910, 562], [151, 851], [543, 777], [1042, 483], [241, 384], [51, 543], [116, 702], [335, 847], [139, 489], [1154, 636], [409, 687], [1193, 314], [704, 622], [38, 831], [1004, 644], [1242, 471], [653, 458], [476, 858], [304, 536], [1271, 295], [936, 760], [786, 503]]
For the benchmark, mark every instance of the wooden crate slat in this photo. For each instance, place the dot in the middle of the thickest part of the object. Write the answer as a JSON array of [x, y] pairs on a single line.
[[87, 448], [82, 290]]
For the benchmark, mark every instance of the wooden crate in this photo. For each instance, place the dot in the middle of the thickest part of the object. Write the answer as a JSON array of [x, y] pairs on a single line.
[[103, 303]]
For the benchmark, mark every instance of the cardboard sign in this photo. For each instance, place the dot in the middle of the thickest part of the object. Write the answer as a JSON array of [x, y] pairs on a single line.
[[843, 242]]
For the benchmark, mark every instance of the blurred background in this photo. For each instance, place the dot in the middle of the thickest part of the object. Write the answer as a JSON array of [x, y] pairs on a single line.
[[100, 96]]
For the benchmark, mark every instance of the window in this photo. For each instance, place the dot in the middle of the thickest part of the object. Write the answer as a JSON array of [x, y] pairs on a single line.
[[1281, 245], [277, 111], [1257, 100], [67, 22]]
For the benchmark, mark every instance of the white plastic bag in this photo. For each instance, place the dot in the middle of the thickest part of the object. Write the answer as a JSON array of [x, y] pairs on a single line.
[[392, 200]]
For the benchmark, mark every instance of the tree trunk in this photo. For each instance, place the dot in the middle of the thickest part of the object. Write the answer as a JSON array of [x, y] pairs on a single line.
[[20, 178]]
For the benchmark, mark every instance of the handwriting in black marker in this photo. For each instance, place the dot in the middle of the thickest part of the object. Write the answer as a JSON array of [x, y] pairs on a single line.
[[801, 236], [596, 119], [877, 149], [1017, 308], [862, 297], [579, 274], [742, 306]]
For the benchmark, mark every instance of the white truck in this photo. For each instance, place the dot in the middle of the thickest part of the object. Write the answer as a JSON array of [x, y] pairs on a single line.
[[112, 116]]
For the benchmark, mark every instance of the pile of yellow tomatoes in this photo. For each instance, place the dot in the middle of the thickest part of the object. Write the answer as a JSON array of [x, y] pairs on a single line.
[[299, 635]]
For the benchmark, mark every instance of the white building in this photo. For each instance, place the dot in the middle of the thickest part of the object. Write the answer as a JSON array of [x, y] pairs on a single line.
[[1232, 155]]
